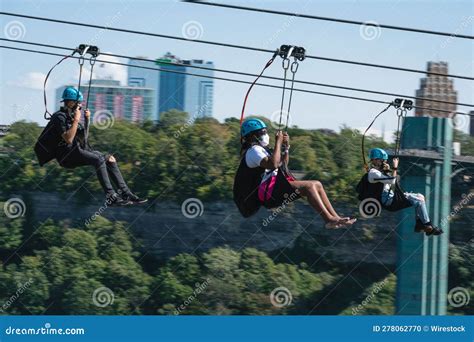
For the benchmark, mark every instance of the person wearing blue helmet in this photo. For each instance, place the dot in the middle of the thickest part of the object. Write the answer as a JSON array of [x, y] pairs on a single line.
[[72, 150], [259, 170], [380, 172]]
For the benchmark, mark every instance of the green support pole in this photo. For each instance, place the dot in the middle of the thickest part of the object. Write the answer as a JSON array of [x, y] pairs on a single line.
[[445, 209], [422, 262]]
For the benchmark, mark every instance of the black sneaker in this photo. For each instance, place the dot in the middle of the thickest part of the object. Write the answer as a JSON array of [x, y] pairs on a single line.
[[115, 200], [428, 228], [134, 199], [434, 231]]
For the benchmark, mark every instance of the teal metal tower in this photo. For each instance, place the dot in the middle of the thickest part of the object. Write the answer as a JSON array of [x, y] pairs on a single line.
[[422, 262]]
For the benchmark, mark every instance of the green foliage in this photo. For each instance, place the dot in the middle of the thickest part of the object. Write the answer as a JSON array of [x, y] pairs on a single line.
[[61, 264], [10, 233], [461, 275], [181, 157], [378, 299]]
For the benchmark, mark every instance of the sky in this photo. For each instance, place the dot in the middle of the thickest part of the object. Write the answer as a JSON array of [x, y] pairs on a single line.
[[22, 73]]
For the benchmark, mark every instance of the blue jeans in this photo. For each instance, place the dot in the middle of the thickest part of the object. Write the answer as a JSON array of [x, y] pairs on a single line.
[[418, 202]]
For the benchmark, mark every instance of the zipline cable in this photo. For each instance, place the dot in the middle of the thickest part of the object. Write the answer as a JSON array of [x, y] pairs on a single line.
[[369, 91], [108, 28], [337, 20], [239, 81]]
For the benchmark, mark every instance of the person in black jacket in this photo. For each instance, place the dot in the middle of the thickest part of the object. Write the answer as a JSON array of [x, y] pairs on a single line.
[[73, 151]]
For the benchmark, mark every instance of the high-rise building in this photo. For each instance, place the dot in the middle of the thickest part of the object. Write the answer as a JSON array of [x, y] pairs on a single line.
[[134, 104], [174, 88], [471, 123], [437, 87]]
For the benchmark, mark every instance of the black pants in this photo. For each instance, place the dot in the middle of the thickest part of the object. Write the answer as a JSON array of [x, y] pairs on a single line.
[[106, 170]]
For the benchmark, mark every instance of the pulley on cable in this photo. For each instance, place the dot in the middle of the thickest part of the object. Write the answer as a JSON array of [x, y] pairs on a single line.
[[82, 50], [46, 145], [402, 106], [286, 52], [370, 193]]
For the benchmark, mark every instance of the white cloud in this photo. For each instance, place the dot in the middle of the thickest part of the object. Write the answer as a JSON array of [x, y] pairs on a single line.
[[104, 70], [31, 80]]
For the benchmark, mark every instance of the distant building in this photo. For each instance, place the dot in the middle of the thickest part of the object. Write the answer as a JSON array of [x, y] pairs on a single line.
[[129, 103], [471, 123], [175, 89], [438, 87], [4, 130]]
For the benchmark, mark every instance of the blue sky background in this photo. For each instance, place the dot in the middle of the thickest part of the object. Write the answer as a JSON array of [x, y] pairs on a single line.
[[22, 73]]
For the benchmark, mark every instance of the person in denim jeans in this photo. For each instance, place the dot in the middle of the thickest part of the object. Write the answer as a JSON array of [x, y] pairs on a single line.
[[380, 172]]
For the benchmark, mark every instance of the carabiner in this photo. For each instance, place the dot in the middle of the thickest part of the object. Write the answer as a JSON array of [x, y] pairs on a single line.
[[286, 63], [294, 66]]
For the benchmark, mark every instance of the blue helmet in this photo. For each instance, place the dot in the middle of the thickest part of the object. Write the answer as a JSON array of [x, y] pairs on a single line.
[[251, 125], [378, 153], [71, 93]]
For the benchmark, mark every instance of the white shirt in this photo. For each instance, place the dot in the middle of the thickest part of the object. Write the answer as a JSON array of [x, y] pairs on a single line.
[[254, 157], [376, 176]]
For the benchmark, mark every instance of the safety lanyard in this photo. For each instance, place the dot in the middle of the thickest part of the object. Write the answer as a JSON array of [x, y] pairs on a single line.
[[253, 83], [293, 69], [92, 61], [402, 106], [286, 52], [46, 112], [82, 50], [401, 114]]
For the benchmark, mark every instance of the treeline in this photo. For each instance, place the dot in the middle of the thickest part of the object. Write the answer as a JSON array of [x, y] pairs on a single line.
[[98, 269], [62, 268], [178, 158], [66, 268]]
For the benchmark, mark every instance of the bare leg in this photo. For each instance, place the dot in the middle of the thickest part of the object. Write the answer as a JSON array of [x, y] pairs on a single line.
[[308, 189], [324, 197]]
